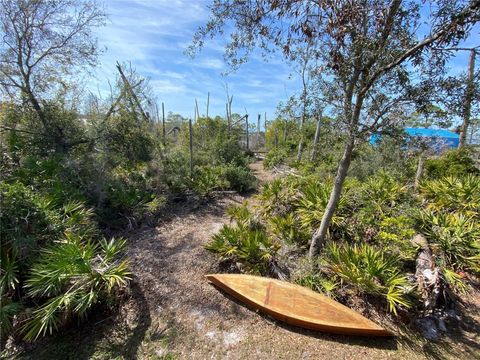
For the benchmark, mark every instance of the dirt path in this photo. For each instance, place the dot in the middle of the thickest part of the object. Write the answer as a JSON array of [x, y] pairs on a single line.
[[196, 321], [174, 313]]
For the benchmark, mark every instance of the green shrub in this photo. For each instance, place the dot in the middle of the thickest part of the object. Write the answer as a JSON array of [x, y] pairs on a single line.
[[274, 158], [208, 179], [370, 271], [311, 204], [8, 310], [176, 171], [318, 282], [250, 247], [454, 238], [73, 276], [26, 220], [240, 178], [395, 234], [275, 197], [456, 162], [381, 193], [453, 193], [129, 197], [287, 229]]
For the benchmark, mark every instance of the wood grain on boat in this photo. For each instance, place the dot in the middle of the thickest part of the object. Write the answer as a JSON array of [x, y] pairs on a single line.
[[296, 305]]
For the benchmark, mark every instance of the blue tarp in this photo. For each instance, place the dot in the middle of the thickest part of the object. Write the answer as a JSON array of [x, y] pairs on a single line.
[[440, 138]]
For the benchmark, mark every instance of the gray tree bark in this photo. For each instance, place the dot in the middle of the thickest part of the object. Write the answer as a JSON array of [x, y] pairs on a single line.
[[420, 169], [468, 100], [190, 146], [313, 156], [319, 236]]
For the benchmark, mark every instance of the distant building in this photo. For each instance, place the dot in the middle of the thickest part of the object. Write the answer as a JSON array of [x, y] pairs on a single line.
[[436, 139]]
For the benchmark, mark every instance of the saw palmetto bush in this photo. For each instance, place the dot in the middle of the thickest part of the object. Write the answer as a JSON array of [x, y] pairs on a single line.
[[454, 238], [69, 278], [454, 162], [287, 229], [454, 194], [312, 201], [380, 194], [275, 197], [241, 244], [394, 235], [53, 265], [369, 270]]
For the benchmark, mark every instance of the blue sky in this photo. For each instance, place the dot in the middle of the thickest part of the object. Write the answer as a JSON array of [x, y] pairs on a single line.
[[153, 34]]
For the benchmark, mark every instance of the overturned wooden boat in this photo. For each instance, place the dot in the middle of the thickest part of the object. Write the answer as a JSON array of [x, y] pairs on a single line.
[[296, 305]]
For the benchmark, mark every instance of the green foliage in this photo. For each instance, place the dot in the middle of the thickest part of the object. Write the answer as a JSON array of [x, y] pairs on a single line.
[[51, 247], [455, 239], [276, 196], [250, 247], [311, 204], [207, 179], [380, 194], [387, 155], [395, 234], [126, 139], [456, 162], [274, 158], [7, 311], [287, 229], [453, 193], [130, 196], [176, 171], [318, 282], [26, 220], [240, 178], [371, 271], [73, 275]]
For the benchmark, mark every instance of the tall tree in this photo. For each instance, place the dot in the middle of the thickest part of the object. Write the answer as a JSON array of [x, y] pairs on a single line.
[[365, 49], [469, 94], [44, 41]]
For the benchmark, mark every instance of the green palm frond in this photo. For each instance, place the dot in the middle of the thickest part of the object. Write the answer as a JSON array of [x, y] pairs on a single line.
[[8, 310], [454, 193], [73, 274], [8, 272], [370, 270]]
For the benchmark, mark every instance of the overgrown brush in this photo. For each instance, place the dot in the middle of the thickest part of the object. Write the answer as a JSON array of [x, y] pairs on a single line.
[[454, 238], [53, 264], [252, 248], [371, 271], [453, 193], [71, 277]]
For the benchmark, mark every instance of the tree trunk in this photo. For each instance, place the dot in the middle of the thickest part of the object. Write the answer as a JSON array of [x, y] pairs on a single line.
[[313, 156], [467, 106], [132, 93], [190, 146], [318, 238], [228, 119], [265, 123], [208, 102], [302, 138], [246, 125], [258, 131], [420, 168], [164, 136]]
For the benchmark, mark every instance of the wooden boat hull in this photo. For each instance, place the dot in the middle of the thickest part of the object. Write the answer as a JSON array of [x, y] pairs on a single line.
[[296, 305]]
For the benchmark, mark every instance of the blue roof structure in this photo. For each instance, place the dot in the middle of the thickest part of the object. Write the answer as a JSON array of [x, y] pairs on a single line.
[[440, 138]]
